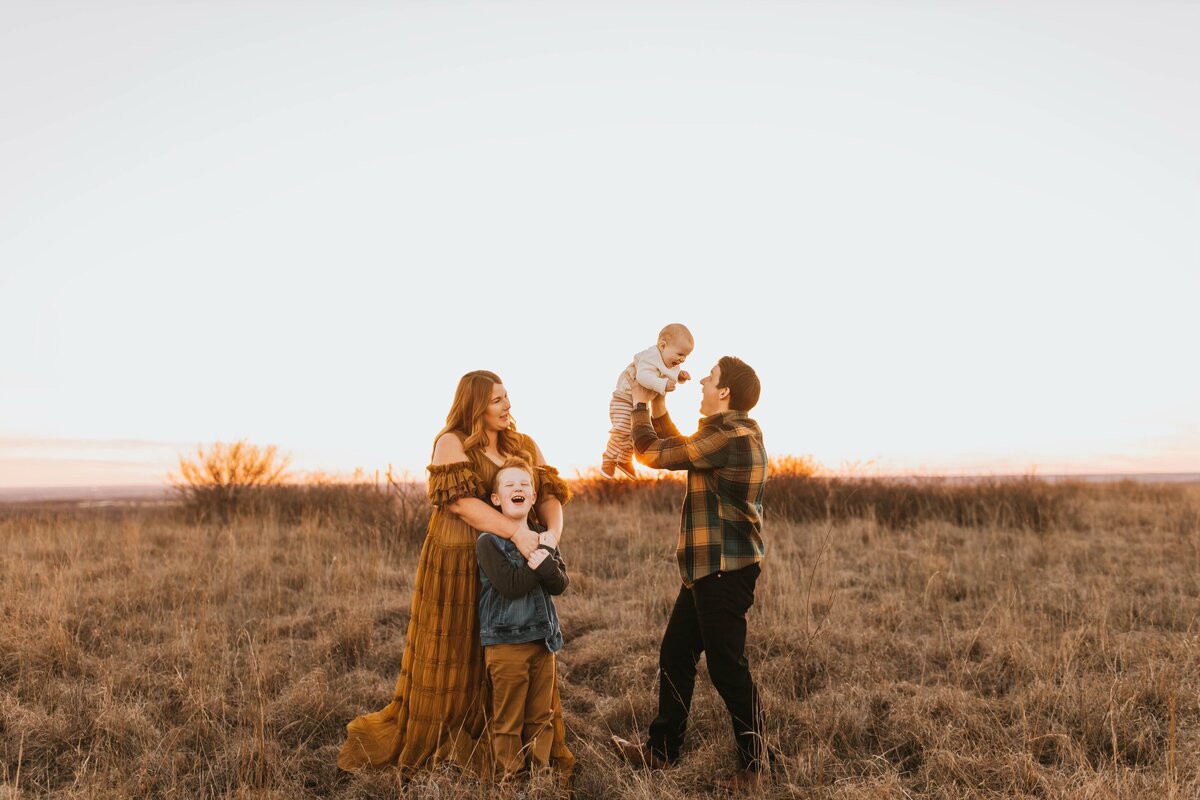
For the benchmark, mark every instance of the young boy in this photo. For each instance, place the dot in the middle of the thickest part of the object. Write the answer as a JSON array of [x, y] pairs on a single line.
[[519, 629], [656, 368]]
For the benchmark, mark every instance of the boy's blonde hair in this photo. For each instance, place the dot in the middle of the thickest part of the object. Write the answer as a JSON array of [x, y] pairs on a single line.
[[674, 331], [512, 462]]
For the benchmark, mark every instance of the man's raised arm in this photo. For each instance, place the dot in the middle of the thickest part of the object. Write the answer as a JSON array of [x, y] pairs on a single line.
[[663, 425], [660, 445]]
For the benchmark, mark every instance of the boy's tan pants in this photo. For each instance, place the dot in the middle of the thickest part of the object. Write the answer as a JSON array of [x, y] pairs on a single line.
[[522, 677]]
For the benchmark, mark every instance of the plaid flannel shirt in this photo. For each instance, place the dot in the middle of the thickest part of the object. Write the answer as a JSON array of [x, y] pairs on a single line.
[[721, 525]]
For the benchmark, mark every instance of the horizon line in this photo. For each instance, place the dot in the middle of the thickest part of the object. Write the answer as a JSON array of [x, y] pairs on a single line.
[[60, 491]]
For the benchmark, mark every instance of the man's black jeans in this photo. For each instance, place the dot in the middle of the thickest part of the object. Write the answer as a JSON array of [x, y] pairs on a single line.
[[709, 618]]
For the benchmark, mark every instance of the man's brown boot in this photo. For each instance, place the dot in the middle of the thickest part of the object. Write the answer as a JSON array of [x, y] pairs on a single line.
[[638, 755]]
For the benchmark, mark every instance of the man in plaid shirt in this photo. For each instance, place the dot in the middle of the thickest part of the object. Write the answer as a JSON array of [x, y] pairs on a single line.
[[720, 547]]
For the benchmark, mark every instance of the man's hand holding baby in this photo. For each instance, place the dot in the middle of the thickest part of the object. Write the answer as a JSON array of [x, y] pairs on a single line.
[[641, 394]]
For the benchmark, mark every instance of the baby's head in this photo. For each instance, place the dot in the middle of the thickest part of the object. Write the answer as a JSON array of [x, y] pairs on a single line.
[[512, 488], [675, 344]]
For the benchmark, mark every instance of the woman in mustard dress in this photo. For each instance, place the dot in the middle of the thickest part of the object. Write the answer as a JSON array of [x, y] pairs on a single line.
[[438, 711]]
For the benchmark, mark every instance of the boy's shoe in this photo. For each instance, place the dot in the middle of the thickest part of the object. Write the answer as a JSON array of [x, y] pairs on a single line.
[[626, 469], [608, 468], [638, 755]]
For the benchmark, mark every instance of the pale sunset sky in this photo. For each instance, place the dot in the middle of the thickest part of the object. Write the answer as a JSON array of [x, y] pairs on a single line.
[[951, 237]]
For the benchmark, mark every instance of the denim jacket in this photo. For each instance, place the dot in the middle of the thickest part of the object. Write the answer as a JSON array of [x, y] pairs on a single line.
[[515, 602]]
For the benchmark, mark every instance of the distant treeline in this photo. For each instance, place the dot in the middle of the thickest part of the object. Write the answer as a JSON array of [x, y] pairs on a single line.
[[388, 509]]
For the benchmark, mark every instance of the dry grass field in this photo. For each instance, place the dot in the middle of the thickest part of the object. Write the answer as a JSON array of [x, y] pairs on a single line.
[[909, 640]]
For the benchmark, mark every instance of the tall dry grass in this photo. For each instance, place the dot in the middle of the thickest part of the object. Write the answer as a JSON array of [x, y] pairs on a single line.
[[928, 653]]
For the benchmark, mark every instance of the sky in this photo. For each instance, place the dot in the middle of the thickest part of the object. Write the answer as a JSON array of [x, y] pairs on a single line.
[[950, 237]]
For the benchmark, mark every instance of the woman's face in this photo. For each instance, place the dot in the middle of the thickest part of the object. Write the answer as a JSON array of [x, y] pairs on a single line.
[[495, 417]]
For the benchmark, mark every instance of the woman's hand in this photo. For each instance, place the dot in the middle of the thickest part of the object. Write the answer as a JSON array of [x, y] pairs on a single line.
[[548, 538], [525, 540], [640, 394]]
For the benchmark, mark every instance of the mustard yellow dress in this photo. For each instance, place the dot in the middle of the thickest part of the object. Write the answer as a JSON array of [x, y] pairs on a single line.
[[439, 710]]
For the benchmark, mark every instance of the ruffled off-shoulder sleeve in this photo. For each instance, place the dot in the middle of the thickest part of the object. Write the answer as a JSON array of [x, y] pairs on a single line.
[[551, 484], [449, 482]]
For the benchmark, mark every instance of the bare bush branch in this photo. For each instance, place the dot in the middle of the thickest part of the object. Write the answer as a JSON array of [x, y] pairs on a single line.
[[215, 480]]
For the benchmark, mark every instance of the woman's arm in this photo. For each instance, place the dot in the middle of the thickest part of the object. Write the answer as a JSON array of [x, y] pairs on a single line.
[[479, 515], [549, 509]]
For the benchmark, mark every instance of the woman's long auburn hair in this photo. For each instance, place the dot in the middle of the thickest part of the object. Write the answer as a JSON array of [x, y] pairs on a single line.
[[471, 400]]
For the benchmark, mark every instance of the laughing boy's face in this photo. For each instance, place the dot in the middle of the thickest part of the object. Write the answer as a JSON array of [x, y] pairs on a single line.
[[514, 493]]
